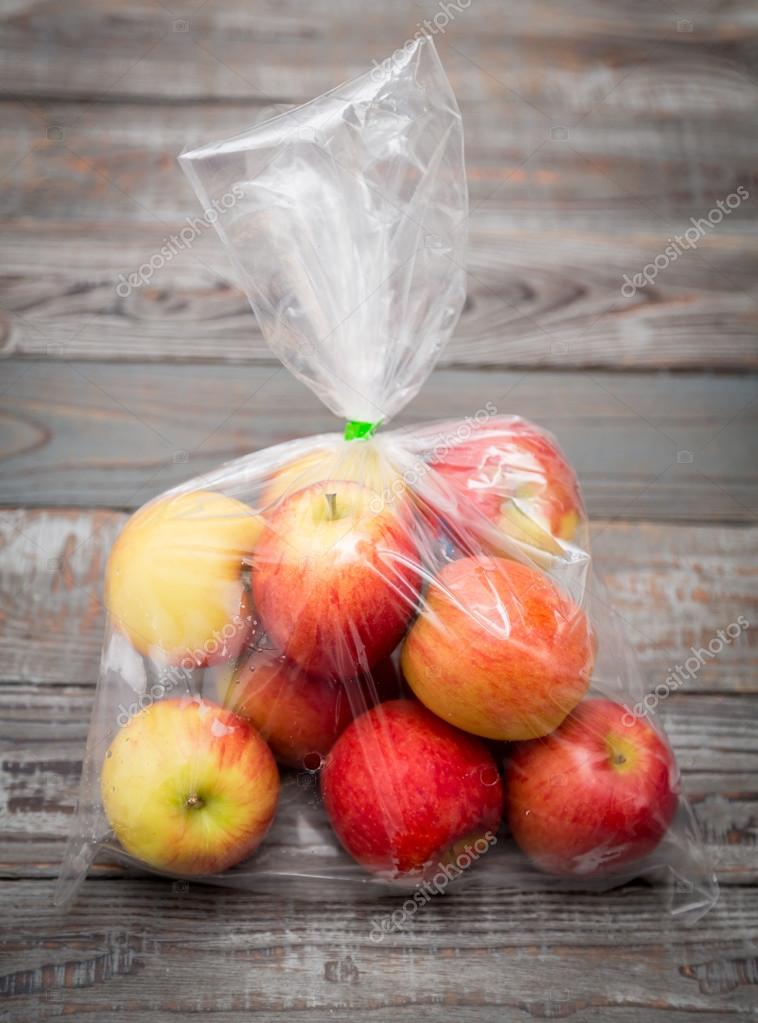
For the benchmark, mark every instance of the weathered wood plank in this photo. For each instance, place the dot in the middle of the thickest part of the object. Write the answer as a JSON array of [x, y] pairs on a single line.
[[557, 223], [539, 294], [675, 586], [111, 161], [297, 50], [544, 290], [51, 578], [644, 446], [137, 946]]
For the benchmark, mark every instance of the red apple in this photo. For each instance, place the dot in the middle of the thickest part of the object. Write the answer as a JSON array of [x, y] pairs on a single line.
[[405, 792], [598, 793], [515, 475], [300, 715], [334, 582], [498, 649], [189, 787]]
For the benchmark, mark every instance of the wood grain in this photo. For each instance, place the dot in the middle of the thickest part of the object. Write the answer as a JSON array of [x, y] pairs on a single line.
[[114, 435], [292, 52], [556, 224], [674, 586], [542, 292], [590, 142], [139, 946], [111, 163]]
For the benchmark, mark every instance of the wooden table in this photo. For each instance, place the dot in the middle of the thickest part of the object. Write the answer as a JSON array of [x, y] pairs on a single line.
[[595, 131]]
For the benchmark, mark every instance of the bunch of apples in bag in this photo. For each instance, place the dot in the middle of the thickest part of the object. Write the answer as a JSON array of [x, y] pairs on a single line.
[[401, 616]]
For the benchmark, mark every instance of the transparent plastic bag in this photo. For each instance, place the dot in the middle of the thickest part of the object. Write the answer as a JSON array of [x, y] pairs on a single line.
[[371, 660]]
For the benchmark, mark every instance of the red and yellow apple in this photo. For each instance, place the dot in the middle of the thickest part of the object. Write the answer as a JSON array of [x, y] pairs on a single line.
[[334, 582], [358, 461], [189, 787], [300, 716], [515, 475], [174, 581], [598, 793], [405, 792], [498, 649]]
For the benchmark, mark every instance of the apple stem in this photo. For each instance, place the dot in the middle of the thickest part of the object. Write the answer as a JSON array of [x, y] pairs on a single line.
[[331, 500], [619, 758], [194, 802]]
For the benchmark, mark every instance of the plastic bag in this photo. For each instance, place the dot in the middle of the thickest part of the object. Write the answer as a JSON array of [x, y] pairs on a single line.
[[373, 660]]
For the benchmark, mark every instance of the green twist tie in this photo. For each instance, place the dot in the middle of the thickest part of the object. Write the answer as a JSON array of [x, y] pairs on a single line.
[[356, 430]]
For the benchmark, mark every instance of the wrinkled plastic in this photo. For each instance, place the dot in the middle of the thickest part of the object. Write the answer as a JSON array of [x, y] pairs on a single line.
[[380, 663], [350, 232]]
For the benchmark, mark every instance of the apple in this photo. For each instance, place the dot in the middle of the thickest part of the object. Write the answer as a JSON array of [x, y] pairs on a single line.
[[189, 787], [598, 793], [515, 475], [300, 716], [405, 792], [174, 581], [334, 582], [498, 649], [356, 460]]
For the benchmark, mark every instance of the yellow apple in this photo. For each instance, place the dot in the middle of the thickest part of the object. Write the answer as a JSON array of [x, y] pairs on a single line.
[[356, 461], [174, 581], [189, 787]]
